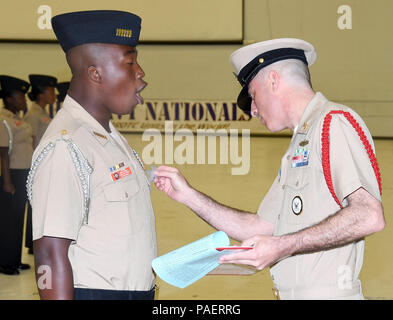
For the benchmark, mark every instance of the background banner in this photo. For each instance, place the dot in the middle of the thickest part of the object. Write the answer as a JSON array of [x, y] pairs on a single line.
[[191, 115]]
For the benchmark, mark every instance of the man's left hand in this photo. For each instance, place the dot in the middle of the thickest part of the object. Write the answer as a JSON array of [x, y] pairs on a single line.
[[267, 250]]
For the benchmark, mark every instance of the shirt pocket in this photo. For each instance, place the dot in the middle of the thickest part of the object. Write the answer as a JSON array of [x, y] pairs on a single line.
[[121, 204], [297, 195]]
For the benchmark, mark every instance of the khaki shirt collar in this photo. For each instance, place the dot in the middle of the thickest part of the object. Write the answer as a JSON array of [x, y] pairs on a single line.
[[310, 112], [4, 113], [78, 112]]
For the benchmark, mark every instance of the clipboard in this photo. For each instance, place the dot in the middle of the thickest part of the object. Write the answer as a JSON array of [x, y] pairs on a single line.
[[233, 270]]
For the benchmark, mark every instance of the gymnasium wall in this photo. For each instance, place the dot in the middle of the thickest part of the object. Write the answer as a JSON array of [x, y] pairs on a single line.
[[186, 44]]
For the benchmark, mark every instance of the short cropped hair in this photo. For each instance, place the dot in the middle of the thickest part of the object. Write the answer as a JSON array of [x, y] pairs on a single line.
[[293, 71]]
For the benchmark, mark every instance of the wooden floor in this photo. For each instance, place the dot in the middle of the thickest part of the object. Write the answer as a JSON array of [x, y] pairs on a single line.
[[177, 226]]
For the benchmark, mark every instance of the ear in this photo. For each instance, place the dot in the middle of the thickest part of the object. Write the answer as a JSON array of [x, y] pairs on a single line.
[[274, 81], [94, 74]]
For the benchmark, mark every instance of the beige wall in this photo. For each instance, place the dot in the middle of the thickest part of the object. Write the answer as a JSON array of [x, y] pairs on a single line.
[[354, 66], [170, 20]]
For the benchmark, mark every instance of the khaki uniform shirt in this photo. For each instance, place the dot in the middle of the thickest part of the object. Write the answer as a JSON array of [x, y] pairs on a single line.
[[16, 134], [39, 121], [299, 198], [114, 248]]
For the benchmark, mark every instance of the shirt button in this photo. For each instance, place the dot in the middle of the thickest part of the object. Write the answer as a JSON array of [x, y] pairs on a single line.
[[126, 195], [283, 187]]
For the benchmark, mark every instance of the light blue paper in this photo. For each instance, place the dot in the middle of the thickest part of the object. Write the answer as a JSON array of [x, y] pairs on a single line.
[[187, 264]]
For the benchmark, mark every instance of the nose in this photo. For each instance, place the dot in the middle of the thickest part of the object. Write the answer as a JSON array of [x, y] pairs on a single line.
[[140, 73]]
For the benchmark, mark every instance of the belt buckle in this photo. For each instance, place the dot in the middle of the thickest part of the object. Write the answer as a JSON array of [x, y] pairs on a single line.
[[276, 293]]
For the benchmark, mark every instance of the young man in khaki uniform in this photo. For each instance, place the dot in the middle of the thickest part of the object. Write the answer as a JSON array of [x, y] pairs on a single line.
[[327, 195], [16, 150], [93, 221]]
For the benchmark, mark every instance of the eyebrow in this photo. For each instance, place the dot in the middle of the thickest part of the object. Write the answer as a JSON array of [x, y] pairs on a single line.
[[129, 52]]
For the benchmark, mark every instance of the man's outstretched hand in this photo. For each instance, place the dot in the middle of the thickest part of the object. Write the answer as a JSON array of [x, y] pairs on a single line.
[[172, 182]]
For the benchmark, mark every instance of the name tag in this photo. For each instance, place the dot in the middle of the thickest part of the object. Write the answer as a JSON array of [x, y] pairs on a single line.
[[121, 174]]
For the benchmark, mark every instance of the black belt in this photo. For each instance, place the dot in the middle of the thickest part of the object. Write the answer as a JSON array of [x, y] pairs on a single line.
[[103, 294]]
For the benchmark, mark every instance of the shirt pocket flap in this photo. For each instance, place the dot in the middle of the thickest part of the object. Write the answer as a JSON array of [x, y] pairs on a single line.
[[121, 191], [297, 178]]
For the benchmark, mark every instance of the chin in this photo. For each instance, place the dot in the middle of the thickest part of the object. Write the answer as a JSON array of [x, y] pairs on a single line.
[[271, 128], [277, 129], [127, 109]]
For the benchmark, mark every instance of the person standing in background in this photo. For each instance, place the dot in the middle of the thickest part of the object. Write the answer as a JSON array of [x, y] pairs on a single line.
[[16, 150], [42, 94], [62, 88]]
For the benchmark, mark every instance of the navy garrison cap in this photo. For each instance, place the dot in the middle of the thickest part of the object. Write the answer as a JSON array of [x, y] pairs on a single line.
[[11, 84], [40, 80], [62, 87], [249, 60], [98, 26]]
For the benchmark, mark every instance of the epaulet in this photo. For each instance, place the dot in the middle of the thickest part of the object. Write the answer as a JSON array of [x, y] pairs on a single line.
[[81, 164], [326, 147]]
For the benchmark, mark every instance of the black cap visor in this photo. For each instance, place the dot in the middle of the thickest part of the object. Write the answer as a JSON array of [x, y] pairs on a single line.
[[244, 100]]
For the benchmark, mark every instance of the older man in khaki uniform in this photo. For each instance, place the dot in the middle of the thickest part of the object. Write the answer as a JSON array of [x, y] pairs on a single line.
[[93, 221], [327, 195]]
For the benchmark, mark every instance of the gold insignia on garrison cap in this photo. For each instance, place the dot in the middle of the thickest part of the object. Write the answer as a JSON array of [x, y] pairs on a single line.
[[127, 33]]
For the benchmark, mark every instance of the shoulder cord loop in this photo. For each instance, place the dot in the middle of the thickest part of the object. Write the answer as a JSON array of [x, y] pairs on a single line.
[[81, 165], [326, 148]]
